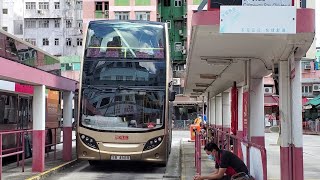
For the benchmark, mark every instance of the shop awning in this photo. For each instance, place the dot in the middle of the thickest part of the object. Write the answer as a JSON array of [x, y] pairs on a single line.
[[314, 102], [271, 101]]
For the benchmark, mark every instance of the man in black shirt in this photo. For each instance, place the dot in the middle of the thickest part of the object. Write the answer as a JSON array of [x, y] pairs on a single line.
[[227, 163]]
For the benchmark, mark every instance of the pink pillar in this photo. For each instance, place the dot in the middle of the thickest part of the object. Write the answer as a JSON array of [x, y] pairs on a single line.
[[67, 125], [38, 136], [290, 104]]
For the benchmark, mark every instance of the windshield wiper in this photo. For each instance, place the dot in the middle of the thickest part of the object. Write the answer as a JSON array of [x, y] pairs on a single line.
[[97, 88]]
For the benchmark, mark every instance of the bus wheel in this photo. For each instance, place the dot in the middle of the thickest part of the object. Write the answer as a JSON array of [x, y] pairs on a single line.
[[93, 163]]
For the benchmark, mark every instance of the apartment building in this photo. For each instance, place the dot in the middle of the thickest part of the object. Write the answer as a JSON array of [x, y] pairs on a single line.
[[120, 10], [54, 26]]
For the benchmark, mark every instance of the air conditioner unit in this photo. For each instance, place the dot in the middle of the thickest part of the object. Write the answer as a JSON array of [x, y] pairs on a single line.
[[68, 2], [158, 16], [184, 51], [307, 67], [316, 87], [40, 12], [268, 90], [180, 32], [176, 81], [185, 16], [106, 12]]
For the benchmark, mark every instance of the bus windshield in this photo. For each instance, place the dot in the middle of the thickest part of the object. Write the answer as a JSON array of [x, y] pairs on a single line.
[[123, 95], [109, 39]]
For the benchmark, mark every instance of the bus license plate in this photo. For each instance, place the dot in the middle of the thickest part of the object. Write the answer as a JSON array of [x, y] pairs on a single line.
[[124, 158]]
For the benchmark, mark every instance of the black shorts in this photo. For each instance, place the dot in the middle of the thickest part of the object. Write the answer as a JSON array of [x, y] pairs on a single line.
[[225, 178]]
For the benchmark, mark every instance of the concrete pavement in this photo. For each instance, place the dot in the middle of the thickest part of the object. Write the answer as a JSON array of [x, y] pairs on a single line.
[[12, 172], [311, 157]]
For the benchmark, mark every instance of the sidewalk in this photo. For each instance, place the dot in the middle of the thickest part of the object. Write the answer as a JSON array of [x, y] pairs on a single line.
[[188, 169], [12, 172]]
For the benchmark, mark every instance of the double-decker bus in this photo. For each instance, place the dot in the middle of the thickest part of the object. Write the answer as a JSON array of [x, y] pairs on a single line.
[[125, 96]]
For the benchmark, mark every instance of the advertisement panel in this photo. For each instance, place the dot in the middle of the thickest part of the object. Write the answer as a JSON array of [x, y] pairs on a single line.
[[53, 110], [258, 19], [267, 2]]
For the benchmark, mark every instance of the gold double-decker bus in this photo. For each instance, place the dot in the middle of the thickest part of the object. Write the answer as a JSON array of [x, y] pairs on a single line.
[[125, 97]]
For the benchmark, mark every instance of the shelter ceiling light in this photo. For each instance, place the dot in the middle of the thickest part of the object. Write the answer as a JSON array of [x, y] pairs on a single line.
[[202, 85], [208, 76], [217, 61], [198, 90]]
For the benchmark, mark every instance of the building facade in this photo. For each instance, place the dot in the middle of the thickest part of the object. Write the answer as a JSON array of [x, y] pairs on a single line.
[[54, 26]]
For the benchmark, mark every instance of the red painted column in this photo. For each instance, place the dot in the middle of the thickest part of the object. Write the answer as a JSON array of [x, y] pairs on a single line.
[[38, 135], [234, 109], [67, 143], [67, 125], [38, 150]]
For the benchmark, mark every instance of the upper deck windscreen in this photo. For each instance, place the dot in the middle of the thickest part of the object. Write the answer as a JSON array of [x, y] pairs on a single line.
[[123, 39]]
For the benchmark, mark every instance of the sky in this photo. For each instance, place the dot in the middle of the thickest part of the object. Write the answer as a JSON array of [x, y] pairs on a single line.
[[318, 22]]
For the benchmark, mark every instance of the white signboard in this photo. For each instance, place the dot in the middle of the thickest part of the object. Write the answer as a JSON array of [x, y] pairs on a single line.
[[7, 86], [258, 19], [266, 2]]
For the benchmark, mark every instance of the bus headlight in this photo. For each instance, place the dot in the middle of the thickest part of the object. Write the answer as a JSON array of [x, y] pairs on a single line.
[[89, 141], [152, 143]]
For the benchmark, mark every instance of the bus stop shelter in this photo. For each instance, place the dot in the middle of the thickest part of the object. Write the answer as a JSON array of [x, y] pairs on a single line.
[[17, 71], [229, 54]]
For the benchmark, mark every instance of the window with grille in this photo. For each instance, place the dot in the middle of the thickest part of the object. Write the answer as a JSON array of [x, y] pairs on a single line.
[[143, 16], [68, 41], [307, 89], [177, 3], [69, 23], [45, 42], [44, 24], [56, 42], [79, 41], [122, 15], [98, 6], [57, 23], [31, 24], [31, 41], [56, 5], [44, 5], [79, 5], [79, 23], [30, 5]]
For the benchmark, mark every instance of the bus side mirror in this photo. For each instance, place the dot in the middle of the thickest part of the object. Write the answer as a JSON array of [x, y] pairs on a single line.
[[172, 96]]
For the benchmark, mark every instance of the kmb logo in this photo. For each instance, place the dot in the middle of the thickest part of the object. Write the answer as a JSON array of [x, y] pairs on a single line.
[[121, 137]]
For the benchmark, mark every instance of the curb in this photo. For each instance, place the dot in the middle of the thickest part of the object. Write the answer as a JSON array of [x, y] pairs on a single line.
[[54, 170], [174, 175]]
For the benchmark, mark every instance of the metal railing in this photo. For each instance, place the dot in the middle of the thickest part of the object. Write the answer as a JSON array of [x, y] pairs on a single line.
[[197, 152], [15, 151], [235, 144], [20, 145], [182, 124]]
